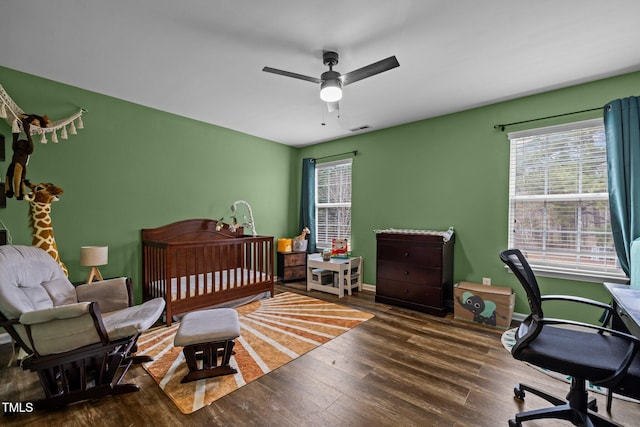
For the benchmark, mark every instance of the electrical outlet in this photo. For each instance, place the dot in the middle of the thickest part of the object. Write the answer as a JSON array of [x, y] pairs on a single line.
[[486, 280]]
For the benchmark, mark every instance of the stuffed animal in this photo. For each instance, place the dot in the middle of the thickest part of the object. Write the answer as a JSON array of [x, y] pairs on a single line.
[[303, 235], [17, 171], [35, 120]]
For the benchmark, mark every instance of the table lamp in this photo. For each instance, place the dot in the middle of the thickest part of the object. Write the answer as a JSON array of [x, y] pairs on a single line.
[[93, 256]]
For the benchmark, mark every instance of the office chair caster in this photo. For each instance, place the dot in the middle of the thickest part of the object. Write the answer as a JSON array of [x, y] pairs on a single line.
[[519, 394], [514, 423]]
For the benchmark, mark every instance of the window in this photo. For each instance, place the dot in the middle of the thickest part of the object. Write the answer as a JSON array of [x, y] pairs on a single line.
[[333, 202], [559, 203]]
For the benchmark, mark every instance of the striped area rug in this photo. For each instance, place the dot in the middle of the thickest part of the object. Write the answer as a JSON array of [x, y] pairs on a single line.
[[274, 331]]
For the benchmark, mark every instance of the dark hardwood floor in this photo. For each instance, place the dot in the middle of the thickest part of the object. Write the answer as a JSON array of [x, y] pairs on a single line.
[[401, 368]]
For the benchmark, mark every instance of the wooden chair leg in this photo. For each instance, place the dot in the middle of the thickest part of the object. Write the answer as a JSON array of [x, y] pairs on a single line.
[[89, 373], [209, 353]]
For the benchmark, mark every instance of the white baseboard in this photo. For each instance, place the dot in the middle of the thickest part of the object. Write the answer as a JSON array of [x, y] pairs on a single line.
[[519, 317]]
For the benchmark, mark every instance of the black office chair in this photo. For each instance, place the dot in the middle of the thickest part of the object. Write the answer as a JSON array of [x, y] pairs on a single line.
[[585, 352]]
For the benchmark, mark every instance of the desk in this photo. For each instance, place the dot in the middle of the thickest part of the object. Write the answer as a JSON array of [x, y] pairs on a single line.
[[335, 264], [626, 302]]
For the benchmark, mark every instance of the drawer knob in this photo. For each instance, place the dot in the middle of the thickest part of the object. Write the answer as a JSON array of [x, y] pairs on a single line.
[[406, 254], [406, 273]]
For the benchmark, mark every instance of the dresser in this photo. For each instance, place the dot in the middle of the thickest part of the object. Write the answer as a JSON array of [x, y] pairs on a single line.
[[292, 266], [415, 271]]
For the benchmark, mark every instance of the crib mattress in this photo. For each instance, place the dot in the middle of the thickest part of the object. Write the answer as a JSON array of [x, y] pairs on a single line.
[[211, 282]]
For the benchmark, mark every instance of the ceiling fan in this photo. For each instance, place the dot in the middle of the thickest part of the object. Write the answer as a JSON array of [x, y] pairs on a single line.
[[331, 82]]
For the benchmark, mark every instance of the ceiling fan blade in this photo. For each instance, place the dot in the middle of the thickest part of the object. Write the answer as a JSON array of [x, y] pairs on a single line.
[[290, 74], [333, 106], [370, 70]]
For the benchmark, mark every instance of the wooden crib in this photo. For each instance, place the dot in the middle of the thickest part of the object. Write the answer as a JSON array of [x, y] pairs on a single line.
[[193, 266]]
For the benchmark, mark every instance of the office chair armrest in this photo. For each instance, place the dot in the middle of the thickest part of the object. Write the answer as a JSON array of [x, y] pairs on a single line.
[[581, 300]]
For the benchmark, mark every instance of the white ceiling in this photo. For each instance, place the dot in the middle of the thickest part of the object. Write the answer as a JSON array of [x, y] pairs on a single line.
[[203, 58]]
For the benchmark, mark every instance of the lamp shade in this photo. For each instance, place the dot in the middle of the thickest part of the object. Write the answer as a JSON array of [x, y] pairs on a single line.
[[91, 256]]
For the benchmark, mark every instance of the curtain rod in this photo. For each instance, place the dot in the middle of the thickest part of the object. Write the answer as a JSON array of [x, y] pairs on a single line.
[[503, 126], [354, 152]]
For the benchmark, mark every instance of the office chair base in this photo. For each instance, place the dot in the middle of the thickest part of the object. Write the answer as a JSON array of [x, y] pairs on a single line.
[[519, 393], [577, 409]]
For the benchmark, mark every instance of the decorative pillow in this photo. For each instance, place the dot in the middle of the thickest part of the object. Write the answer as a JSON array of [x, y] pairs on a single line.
[[111, 294], [61, 291]]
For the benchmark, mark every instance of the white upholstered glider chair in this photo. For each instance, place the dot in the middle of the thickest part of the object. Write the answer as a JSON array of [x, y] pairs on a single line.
[[80, 340]]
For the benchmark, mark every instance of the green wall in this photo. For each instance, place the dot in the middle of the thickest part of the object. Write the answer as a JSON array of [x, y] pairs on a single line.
[[133, 167], [454, 171]]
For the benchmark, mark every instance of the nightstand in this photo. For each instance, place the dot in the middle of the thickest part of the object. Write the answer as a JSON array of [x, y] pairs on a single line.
[[292, 266]]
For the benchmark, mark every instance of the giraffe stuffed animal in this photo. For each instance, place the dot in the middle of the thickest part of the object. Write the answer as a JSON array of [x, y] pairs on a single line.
[[303, 234], [40, 199]]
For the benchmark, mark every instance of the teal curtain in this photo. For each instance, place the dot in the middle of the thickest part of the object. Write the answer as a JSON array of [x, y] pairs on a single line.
[[308, 201], [622, 129]]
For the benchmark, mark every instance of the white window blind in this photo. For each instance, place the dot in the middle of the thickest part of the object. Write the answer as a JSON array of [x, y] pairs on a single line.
[[333, 202], [558, 201]]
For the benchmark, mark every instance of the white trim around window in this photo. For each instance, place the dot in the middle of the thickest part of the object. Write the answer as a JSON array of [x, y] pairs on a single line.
[[333, 202], [559, 203]]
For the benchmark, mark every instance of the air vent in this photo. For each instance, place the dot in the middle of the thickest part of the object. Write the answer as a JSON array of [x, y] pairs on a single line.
[[359, 128]]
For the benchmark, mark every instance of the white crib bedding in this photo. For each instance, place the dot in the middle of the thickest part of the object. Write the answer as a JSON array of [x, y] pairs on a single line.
[[204, 283]]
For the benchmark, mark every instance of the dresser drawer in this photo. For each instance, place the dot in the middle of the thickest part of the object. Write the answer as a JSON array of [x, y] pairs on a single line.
[[293, 259], [292, 266], [420, 294], [411, 273], [295, 273], [428, 256]]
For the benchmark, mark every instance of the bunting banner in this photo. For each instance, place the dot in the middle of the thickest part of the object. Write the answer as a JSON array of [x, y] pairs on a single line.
[[12, 114]]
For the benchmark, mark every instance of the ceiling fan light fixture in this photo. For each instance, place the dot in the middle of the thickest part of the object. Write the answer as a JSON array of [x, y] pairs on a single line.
[[331, 90], [331, 82]]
